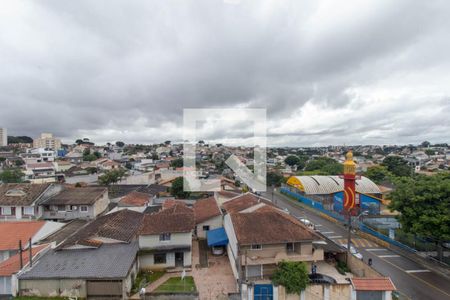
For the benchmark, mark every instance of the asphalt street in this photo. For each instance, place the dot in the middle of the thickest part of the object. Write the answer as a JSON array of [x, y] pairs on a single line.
[[410, 278]]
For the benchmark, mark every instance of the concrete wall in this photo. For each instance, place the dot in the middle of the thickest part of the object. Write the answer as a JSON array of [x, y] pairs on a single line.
[[213, 223], [318, 291], [53, 287], [359, 268], [176, 239], [101, 204]]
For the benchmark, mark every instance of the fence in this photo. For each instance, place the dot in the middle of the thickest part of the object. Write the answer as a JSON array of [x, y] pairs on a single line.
[[364, 228]]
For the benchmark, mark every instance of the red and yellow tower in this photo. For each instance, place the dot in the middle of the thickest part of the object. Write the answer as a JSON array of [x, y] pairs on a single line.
[[351, 201]]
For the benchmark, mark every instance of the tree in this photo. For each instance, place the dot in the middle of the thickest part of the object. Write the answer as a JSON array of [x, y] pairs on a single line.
[[397, 166], [378, 174], [429, 152], [19, 139], [424, 206], [293, 275], [177, 189], [177, 163], [425, 144], [292, 160], [324, 166], [120, 144], [167, 143], [111, 177], [274, 179], [11, 176], [79, 141]]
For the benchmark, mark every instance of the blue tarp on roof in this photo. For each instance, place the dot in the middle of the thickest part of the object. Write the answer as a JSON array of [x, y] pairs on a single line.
[[217, 237]]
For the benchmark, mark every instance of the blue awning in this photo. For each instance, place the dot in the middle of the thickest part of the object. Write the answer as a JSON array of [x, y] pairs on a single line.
[[217, 237]]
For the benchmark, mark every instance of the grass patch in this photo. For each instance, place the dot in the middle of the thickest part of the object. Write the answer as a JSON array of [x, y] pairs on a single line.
[[143, 278], [176, 285]]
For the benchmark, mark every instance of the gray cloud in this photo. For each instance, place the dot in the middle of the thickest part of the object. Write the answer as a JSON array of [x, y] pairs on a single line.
[[328, 73]]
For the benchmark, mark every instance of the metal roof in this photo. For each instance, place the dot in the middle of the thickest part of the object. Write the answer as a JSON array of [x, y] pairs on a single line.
[[109, 261], [320, 185]]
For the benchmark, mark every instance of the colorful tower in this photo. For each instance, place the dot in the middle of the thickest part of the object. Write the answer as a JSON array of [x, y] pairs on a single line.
[[351, 199]]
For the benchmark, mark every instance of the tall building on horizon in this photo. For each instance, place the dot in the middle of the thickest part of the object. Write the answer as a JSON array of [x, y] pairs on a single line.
[[3, 137], [46, 140]]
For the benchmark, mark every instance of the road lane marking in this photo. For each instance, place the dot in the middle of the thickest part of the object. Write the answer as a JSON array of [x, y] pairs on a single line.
[[318, 225], [390, 255], [327, 232], [417, 271], [414, 276], [376, 249], [334, 237]]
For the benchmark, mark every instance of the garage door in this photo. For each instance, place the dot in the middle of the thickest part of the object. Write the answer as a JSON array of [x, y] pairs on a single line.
[[104, 289], [5, 285]]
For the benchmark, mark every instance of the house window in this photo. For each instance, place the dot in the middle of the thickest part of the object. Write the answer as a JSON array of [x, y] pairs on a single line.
[[6, 211], [164, 237], [290, 247], [206, 228], [61, 208], [28, 210], [256, 247], [159, 258], [254, 271], [83, 208]]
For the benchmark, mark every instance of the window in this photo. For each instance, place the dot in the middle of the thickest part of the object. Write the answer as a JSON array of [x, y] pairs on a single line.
[[159, 258], [61, 208], [83, 208], [6, 211], [206, 228], [290, 247], [256, 247], [164, 237], [28, 210], [254, 271]]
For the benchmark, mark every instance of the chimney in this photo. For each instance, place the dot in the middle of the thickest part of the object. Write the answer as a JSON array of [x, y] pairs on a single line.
[[30, 253], [20, 254]]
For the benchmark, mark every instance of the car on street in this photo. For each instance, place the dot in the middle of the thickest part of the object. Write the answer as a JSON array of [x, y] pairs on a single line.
[[354, 251]]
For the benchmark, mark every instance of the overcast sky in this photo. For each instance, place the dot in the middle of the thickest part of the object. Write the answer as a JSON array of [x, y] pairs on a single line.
[[357, 72]]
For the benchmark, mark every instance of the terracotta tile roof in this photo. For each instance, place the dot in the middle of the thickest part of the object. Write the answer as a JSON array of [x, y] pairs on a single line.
[[205, 209], [177, 218], [12, 265], [373, 284], [12, 232], [269, 226], [135, 199], [122, 225], [20, 194], [228, 194], [244, 201], [77, 196]]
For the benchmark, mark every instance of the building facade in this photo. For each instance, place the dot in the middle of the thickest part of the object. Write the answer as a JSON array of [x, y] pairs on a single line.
[[3, 137], [47, 141]]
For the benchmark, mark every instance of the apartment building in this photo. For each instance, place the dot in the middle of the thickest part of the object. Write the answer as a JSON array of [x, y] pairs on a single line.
[[3, 137], [46, 140]]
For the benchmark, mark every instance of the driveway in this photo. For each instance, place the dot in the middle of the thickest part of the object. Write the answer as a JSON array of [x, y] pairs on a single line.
[[215, 281]]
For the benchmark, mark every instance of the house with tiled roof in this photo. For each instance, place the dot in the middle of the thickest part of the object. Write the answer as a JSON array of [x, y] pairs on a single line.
[[98, 260], [262, 237], [14, 232], [134, 199], [21, 200], [208, 216], [76, 203], [165, 238], [372, 288], [245, 201], [13, 265]]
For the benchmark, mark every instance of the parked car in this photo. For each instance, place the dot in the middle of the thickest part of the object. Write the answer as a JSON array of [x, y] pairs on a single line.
[[308, 223], [354, 251]]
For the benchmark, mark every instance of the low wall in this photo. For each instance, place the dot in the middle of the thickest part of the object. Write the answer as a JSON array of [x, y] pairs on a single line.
[[359, 268], [318, 291]]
